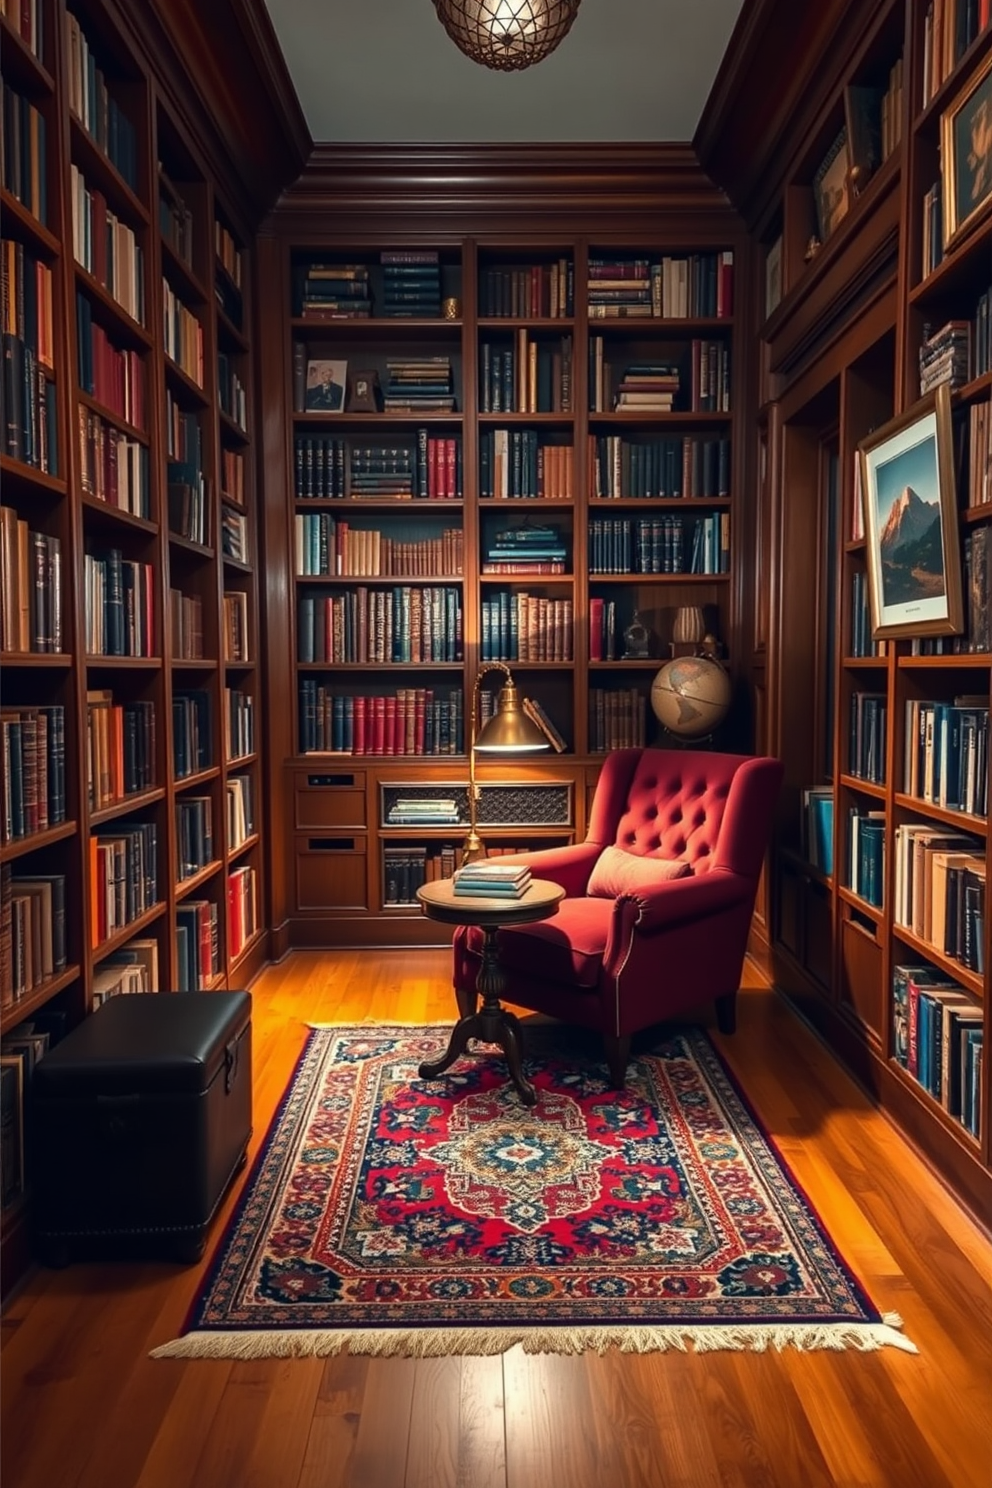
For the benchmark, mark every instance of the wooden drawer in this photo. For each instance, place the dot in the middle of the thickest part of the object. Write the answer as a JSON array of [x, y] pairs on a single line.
[[331, 873], [861, 982], [329, 799]]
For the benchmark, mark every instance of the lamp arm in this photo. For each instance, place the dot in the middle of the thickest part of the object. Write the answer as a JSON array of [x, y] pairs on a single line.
[[473, 789]]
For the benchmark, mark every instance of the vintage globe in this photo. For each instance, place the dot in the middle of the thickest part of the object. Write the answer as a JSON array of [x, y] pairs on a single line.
[[691, 696]]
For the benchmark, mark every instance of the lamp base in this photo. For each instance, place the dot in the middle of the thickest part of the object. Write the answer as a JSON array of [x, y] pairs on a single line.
[[473, 849]]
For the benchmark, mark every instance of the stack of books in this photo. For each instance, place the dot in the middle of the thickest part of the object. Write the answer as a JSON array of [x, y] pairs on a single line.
[[648, 386], [419, 385], [411, 281], [331, 291], [525, 550], [489, 880], [945, 356], [418, 811]]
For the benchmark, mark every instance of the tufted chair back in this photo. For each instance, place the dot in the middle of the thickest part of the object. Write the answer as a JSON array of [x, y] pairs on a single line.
[[678, 804]]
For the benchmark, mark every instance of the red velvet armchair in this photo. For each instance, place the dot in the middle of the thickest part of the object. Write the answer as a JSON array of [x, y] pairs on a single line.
[[632, 943]]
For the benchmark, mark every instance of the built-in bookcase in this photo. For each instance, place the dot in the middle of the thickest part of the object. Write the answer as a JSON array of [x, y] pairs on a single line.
[[130, 839], [878, 898], [501, 451]]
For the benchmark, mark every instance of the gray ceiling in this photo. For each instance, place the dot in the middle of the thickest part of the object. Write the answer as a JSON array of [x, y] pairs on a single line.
[[380, 71]]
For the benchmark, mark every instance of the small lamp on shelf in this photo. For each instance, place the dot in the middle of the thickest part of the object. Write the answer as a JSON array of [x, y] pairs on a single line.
[[508, 731], [687, 630]]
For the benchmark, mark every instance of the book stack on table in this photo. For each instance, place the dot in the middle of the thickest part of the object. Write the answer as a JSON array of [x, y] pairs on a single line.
[[488, 880]]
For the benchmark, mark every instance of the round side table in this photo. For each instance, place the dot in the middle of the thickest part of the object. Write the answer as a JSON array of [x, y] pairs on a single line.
[[491, 1022]]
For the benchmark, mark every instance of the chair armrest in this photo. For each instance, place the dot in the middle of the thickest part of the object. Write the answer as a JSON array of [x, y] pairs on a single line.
[[568, 867], [685, 899]]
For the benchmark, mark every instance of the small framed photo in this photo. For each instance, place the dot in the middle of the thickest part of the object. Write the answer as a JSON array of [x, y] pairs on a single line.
[[966, 152], [911, 522], [326, 383], [830, 191]]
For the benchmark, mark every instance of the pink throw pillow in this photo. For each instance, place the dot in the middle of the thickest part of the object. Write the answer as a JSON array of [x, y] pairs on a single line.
[[616, 872]]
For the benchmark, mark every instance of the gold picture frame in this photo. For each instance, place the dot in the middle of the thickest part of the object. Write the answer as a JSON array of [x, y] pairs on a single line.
[[913, 548], [830, 188], [966, 153]]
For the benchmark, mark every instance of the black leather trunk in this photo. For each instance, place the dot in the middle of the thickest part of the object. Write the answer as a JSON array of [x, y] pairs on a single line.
[[140, 1118]]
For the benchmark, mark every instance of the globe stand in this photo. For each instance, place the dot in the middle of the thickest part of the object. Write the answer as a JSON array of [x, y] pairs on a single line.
[[677, 741]]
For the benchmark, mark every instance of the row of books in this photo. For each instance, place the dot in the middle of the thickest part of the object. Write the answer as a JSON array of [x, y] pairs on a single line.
[[32, 931], [937, 1038], [404, 869], [232, 395], [533, 375], [182, 334], [429, 469], [233, 476], [191, 733], [120, 748], [34, 793], [240, 794], [31, 577], [328, 546], [866, 854], [939, 888], [119, 605], [242, 909], [866, 736], [976, 638], [817, 827], [185, 626], [535, 711], [123, 876], [20, 1051], [531, 291], [239, 724], [114, 375], [107, 247], [525, 627], [617, 719], [175, 219], [658, 545], [236, 638], [687, 465], [403, 624], [979, 489], [949, 28], [946, 754], [197, 944], [132, 968], [188, 493], [25, 162], [861, 643], [194, 834], [520, 464], [113, 467], [95, 107], [696, 285], [413, 720], [492, 879], [31, 417]]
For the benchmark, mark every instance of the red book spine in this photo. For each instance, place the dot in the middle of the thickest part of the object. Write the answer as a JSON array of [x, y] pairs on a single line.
[[358, 743], [389, 731], [450, 475], [379, 726]]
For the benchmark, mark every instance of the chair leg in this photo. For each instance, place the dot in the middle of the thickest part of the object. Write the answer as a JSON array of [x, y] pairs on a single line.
[[617, 1055], [726, 1012]]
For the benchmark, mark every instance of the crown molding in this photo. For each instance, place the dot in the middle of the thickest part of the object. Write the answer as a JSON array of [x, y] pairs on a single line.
[[483, 187]]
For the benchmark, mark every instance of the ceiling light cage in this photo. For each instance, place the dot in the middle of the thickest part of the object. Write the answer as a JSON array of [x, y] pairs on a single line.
[[506, 35]]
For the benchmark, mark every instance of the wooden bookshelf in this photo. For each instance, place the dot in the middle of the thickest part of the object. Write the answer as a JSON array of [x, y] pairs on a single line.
[[840, 356]]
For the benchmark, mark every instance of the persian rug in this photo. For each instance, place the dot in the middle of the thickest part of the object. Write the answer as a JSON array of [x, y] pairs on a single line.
[[394, 1215]]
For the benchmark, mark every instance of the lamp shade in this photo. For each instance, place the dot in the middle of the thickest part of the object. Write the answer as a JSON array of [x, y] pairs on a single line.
[[509, 730], [506, 35]]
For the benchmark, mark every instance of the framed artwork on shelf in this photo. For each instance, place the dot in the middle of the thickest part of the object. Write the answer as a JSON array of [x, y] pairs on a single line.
[[910, 520], [326, 382], [966, 152], [830, 193]]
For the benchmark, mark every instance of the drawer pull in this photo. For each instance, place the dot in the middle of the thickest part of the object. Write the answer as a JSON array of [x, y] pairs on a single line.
[[330, 780]]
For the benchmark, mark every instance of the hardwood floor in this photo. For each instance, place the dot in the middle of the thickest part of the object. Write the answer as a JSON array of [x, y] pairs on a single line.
[[84, 1407]]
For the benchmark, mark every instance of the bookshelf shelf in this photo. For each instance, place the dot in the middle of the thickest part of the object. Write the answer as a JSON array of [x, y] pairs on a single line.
[[10, 851], [48, 661], [20, 63], [39, 481], [187, 886], [37, 998], [126, 806]]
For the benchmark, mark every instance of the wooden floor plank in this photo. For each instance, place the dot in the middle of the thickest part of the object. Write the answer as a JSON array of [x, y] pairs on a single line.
[[84, 1407]]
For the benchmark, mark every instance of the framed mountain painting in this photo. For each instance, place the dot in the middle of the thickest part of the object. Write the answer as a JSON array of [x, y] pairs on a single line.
[[911, 522]]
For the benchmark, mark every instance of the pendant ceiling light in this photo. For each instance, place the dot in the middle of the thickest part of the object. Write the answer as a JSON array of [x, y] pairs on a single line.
[[506, 34]]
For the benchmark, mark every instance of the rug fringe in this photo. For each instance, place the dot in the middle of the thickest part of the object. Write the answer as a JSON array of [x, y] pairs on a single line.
[[432, 1343]]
